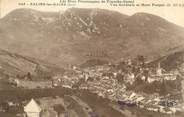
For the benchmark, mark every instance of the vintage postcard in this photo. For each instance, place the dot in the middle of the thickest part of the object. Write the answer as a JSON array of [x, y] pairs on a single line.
[[91, 58]]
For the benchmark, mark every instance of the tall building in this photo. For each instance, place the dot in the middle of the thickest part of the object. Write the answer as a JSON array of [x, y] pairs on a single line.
[[159, 70]]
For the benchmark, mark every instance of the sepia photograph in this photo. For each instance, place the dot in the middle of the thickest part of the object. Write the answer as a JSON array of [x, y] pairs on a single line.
[[91, 58]]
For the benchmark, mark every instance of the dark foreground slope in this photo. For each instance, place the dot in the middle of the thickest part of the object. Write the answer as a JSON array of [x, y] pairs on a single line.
[[100, 106]]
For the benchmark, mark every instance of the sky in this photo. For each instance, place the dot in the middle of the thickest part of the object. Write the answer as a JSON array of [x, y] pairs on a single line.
[[172, 14]]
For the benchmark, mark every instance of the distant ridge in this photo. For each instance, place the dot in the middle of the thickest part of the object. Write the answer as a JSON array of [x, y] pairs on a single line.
[[70, 37]]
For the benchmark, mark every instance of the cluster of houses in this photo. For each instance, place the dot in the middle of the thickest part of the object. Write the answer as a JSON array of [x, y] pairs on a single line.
[[109, 88], [111, 81]]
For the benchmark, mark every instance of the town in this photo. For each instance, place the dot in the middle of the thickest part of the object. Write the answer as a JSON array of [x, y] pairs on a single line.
[[132, 83]]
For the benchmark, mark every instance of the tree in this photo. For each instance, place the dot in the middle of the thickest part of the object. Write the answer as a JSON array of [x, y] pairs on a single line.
[[29, 76], [59, 109], [146, 74], [141, 58]]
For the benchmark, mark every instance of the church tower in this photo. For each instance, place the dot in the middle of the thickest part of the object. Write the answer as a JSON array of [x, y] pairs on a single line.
[[159, 70]]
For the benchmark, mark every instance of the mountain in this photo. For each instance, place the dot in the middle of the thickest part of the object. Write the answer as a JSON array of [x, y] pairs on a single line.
[[13, 65], [78, 35]]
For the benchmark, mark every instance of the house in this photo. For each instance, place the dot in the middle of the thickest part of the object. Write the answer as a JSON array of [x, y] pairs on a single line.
[[32, 109]]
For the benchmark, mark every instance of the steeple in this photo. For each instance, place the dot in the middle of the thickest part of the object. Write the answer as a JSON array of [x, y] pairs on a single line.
[[159, 70]]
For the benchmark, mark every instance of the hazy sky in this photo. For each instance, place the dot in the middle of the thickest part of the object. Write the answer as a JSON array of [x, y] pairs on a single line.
[[173, 14]]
